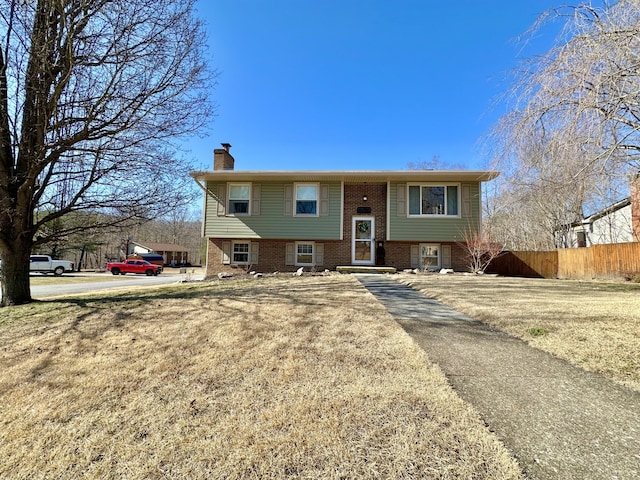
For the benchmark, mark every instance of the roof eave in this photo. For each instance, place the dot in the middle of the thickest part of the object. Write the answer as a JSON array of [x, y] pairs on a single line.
[[342, 175]]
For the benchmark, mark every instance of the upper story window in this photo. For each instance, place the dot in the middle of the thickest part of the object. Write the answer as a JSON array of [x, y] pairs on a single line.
[[432, 199], [306, 199], [239, 198]]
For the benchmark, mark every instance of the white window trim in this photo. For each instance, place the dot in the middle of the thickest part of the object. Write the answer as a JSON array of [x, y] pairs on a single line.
[[229, 199], [295, 199], [239, 242], [435, 184], [313, 254], [439, 247]]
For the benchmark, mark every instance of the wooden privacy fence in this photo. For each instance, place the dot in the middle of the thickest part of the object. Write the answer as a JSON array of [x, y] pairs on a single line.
[[597, 261]]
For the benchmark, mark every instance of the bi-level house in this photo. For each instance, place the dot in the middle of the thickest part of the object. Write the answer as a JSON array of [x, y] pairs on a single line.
[[282, 220]]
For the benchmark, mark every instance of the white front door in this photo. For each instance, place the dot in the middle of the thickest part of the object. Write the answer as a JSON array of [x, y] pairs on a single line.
[[363, 243]]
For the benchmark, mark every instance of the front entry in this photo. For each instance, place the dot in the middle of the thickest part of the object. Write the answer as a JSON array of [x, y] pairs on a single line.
[[363, 243]]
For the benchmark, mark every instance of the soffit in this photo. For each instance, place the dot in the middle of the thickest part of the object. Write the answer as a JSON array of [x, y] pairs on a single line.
[[347, 176]]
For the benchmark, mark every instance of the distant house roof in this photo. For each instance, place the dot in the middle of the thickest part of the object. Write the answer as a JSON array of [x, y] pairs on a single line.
[[161, 247], [604, 212]]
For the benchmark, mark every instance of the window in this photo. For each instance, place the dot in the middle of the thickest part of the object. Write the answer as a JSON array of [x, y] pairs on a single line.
[[430, 256], [433, 200], [240, 254], [239, 197], [306, 199], [304, 254]]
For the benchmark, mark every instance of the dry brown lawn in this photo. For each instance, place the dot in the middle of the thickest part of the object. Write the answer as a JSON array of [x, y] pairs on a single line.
[[274, 378], [594, 325]]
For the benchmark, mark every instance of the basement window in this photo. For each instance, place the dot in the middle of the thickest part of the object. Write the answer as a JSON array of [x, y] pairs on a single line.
[[304, 254], [240, 253]]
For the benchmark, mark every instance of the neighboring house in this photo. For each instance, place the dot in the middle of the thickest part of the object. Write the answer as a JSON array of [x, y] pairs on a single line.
[[617, 223], [610, 225], [171, 253], [282, 220]]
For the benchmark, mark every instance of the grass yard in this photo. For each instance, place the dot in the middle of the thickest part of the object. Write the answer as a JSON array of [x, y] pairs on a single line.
[[282, 378], [594, 325]]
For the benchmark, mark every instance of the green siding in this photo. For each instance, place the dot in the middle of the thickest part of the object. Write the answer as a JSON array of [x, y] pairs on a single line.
[[272, 222], [432, 229]]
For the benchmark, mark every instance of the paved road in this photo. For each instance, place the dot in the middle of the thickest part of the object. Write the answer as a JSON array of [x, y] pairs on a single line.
[[103, 281], [559, 421]]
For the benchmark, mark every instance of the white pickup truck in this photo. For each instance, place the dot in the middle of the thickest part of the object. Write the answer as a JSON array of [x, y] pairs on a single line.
[[44, 264]]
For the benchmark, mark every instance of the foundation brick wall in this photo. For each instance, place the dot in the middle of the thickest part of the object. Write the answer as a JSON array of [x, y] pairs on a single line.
[[398, 255], [459, 258], [272, 254]]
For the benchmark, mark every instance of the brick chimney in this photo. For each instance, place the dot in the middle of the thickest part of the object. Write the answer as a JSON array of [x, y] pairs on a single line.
[[635, 206], [222, 159]]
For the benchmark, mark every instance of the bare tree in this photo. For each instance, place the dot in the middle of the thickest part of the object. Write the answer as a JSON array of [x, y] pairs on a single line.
[[574, 127], [479, 249], [93, 95], [436, 163]]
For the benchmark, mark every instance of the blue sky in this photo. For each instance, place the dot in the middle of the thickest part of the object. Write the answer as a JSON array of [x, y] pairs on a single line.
[[360, 84]]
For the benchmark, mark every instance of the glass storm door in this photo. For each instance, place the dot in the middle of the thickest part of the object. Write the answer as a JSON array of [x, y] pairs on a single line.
[[362, 249]]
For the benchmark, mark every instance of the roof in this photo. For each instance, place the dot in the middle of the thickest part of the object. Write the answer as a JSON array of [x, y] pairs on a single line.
[[162, 247], [610, 209], [355, 176], [603, 213]]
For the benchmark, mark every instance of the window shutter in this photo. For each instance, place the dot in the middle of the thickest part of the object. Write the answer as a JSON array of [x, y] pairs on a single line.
[[288, 200], [466, 200], [401, 200], [226, 253], [415, 256], [254, 247], [324, 200], [256, 192], [290, 257], [222, 200], [319, 247], [446, 256]]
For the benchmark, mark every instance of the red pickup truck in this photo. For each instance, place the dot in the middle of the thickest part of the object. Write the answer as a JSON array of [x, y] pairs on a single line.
[[133, 266]]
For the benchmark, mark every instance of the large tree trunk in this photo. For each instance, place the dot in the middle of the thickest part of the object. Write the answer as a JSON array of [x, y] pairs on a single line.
[[14, 277], [77, 118]]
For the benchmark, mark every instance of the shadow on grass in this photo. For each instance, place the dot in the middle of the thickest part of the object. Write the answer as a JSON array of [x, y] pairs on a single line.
[[81, 322]]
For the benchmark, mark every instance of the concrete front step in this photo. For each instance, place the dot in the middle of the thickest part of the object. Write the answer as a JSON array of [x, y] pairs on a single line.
[[364, 269]]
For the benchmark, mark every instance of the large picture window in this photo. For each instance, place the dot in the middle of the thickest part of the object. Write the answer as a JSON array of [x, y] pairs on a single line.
[[434, 200], [239, 197], [306, 199]]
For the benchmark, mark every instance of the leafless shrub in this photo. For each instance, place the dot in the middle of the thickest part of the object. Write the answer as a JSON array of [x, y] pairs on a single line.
[[479, 250]]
